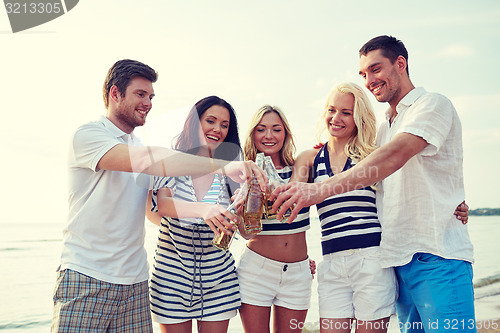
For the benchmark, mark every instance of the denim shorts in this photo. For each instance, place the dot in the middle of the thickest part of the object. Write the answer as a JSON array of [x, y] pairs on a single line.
[[435, 295]]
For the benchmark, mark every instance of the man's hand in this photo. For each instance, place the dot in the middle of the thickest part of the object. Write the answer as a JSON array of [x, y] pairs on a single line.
[[241, 171], [295, 196], [462, 212], [312, 267]]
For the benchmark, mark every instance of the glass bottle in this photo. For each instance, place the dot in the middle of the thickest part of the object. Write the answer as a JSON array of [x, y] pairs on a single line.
[[274, 181], [254, 203], [259, 160], [254, 207], [223, 241]]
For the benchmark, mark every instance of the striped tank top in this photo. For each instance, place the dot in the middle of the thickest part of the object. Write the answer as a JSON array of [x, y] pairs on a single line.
[[349, 220]]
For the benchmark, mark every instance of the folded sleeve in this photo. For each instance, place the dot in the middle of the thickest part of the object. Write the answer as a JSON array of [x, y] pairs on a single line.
[[156, 184], [430, 118]]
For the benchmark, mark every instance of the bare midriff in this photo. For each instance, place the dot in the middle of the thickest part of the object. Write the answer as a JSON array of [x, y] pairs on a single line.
[[283, 248]]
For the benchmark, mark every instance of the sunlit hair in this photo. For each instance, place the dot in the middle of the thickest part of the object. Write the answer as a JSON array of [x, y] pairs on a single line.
[[287, 152], [362, 141], [189, 140]]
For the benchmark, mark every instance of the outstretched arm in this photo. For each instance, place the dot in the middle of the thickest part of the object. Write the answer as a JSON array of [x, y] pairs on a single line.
[[378, 165], [159, 161]]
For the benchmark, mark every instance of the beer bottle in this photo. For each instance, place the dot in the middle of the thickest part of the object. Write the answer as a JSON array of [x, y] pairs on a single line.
[[254, 203], [254, 207], [223, 241], [274, 181]]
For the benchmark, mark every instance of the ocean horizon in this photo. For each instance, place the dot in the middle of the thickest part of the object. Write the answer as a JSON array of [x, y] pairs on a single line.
[[30, 252]]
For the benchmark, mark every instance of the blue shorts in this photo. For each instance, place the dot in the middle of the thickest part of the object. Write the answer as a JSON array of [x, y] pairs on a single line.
[[435, 295]]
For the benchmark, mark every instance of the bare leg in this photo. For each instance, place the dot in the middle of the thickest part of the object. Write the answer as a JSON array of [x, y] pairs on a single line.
[[255, 319], [213, 326], [335, 325], [288, 320], [372, 326], [184, 327]]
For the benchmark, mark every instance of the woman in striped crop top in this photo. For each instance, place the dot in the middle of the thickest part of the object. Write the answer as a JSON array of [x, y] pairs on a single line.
[[191, 279], [274, 271]]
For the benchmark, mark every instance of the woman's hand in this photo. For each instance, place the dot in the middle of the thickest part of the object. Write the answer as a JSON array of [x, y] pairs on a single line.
[[217, 218]]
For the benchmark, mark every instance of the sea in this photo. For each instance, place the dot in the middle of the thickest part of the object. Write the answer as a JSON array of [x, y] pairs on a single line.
[[29, 256]]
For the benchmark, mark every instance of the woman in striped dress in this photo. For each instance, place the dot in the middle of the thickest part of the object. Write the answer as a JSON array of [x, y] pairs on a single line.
[[354, 291], [191, 279], [274, 270]]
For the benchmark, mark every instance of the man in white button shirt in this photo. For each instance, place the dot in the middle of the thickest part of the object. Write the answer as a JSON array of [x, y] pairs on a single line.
[[102, 283], [419, 167]]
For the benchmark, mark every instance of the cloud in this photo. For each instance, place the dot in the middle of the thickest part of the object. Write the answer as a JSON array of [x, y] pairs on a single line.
[[478, 111], [456, 51]]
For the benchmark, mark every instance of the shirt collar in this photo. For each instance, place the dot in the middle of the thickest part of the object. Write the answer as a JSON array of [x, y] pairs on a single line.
[[118, 133], [412, 97], [406, 101]]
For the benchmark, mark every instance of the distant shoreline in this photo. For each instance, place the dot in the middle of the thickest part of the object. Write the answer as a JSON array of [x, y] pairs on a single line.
[[484, 212]]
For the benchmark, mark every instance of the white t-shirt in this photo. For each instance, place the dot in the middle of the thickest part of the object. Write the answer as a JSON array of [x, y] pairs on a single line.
[[416, 203], [104, 237]]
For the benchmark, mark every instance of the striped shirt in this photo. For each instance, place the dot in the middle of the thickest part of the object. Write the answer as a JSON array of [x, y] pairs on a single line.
[[276, 227], [191, 278], [349, 220]]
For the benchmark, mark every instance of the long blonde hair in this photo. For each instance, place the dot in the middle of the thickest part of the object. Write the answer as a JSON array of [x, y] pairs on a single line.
[[362, 141], [287, 151]]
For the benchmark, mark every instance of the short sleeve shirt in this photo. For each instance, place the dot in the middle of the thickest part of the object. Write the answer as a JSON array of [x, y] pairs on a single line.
[[104, 237]]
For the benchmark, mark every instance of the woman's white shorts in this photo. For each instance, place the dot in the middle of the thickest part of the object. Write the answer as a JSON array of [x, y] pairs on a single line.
[[264, 282], [352, 284]]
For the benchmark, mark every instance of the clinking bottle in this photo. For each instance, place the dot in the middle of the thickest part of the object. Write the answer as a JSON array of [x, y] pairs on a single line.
[[274, 181], [254, 203], [223, 241]]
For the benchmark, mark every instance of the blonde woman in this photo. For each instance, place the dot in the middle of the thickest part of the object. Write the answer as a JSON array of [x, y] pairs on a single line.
[[274, 271]]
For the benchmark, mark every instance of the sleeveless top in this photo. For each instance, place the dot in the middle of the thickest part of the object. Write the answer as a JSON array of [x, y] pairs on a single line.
[[349, 220]]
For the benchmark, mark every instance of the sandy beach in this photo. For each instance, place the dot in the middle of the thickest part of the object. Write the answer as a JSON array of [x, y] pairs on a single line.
[[487, 309], [486, 326]]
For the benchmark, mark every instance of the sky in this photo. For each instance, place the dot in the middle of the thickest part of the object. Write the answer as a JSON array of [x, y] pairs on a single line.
[[283, 53]]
